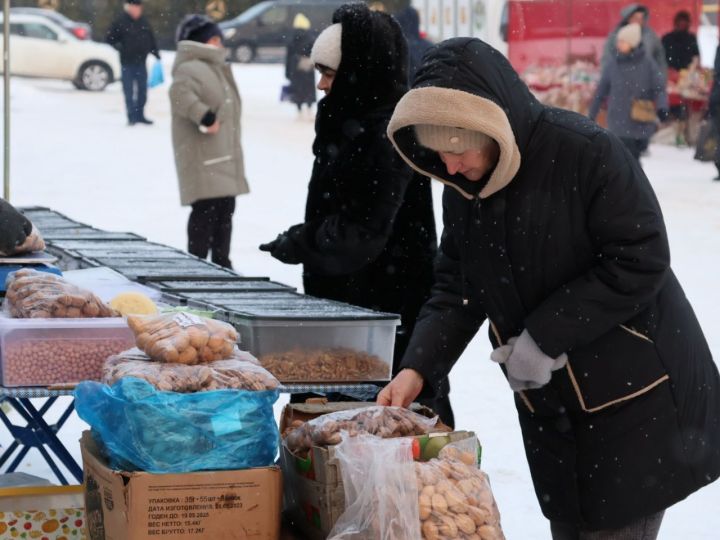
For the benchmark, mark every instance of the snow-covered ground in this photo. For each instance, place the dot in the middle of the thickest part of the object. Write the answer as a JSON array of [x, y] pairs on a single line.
[[72, 151]]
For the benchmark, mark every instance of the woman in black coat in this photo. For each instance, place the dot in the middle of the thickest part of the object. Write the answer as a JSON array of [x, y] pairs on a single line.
[[299, 69], [554, 234], [369, 233]]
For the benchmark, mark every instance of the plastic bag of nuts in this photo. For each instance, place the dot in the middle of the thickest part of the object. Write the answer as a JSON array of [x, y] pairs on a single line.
[[33, 294], [238, 372], [183, 338], [384, 422], [389, 497]]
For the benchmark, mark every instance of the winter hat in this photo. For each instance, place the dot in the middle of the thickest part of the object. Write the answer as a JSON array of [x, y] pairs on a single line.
[[630, 34], [200, 28], [301, 22], [450, 139], [327, 50], [134, 2]]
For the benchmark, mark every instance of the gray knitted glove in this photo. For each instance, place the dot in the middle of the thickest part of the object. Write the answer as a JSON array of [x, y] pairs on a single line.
[[528, 368]]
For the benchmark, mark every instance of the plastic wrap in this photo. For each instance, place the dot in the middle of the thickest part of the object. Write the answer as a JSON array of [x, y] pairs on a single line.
[[183, 338], [238, 372], [384, 422], [146, 429], [380, 490], [389, 497], [33, 294]]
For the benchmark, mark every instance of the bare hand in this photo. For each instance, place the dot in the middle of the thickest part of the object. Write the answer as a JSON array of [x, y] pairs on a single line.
[[402, 390], [214, 129]]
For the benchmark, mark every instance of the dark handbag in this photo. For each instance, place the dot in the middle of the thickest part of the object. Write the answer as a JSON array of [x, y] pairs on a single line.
[[707, 142], [643, 110]]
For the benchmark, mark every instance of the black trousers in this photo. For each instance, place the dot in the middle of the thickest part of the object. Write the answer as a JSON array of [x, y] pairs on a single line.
[[210, 229], [646, 528], [134, 83]]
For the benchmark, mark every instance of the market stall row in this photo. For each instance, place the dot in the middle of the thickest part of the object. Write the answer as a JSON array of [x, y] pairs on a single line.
[[176, 364]]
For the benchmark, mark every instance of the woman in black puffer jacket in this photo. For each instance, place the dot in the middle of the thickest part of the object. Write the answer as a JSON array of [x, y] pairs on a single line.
[[369, 233]]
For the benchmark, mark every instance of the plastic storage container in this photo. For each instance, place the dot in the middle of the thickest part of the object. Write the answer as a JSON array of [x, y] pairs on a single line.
[[317, 341], [141, 267], [238, 284], [88, 233], [54, 352]]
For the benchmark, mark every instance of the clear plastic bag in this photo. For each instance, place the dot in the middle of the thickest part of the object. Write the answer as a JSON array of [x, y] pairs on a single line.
[[33, 242], [183, 338], [380, 490], [389, 497], [33, 294], [384, 422], [238, 372], [145, 429], [454, 496]]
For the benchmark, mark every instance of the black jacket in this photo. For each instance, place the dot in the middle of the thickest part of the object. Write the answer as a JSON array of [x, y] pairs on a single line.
[[298, 67], [134, 39], [680, 48], [573, 249], [369, 232]]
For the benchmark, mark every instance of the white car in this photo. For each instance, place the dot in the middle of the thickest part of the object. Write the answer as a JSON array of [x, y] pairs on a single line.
[[41, 48]]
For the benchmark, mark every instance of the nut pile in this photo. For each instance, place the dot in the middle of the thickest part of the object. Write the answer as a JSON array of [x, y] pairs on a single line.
[[33, 294], [183, 338], [384, 422], [325, 365], [455, 499], [234, 373], [46, 361]]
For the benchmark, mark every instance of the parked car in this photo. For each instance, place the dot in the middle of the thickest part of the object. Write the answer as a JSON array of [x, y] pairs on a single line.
[[269, 24], [41, 48], [78, 29]]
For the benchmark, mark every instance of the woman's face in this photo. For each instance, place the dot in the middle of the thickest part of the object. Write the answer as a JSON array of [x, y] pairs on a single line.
[[472, 164], [327, 76]]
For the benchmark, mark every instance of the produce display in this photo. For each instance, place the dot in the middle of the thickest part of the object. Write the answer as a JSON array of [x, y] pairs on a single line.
[[384, 422], [325, 365], [183, 338], [235, 373], [567, 86], [133, 303], [455, 499], [45, 361], [33, 294]]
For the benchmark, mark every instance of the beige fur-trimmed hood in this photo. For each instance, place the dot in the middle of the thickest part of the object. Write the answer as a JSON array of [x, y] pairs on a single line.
[[465, 83], [455, 108]]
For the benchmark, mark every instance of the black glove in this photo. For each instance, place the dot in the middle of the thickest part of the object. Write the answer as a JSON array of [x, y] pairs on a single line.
[[14, 227], [283, 249], [663, 115]]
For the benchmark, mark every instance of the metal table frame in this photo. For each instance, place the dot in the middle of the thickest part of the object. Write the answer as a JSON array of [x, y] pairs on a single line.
[[37, 433]]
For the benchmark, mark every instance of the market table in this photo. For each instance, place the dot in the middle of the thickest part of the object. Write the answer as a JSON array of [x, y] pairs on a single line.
[[38, 433]]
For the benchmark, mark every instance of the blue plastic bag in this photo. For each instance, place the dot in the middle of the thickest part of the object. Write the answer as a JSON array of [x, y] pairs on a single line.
[[156, 77], [166, 432]]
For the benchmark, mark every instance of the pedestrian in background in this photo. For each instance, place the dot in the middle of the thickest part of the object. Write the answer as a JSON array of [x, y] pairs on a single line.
[[205, 105], [681, 46], [639, 14], [299, 69], [132, 35], [634, 89]]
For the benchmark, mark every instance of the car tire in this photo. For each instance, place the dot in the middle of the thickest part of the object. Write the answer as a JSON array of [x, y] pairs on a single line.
[[244, 53], [94, 76]]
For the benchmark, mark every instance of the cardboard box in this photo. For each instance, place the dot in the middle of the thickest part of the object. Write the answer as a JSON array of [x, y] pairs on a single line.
[[314, 492], [222, 505], [47, 512]]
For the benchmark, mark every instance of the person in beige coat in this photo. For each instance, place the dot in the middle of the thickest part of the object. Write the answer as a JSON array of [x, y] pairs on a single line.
[[206, 109]]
